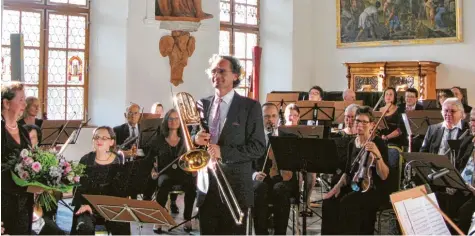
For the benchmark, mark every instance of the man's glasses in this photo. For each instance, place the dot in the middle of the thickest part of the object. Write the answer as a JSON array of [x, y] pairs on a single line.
[[133, 113], [104, 138], [450, 111], [270, 116], [218, 71], [349, 117]]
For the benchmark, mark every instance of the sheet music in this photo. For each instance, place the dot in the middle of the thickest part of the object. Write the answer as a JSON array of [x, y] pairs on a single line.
[[418, 216]]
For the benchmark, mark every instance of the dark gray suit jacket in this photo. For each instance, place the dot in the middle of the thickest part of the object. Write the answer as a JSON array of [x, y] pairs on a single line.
[[241, 142], [433, 139]]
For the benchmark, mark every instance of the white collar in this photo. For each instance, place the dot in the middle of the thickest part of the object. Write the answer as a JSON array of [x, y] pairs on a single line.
[[413, 107], [458, 125], [228, 97]]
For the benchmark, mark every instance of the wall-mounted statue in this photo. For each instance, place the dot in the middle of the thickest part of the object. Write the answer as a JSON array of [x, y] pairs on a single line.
[[180, 10], [178, 48]]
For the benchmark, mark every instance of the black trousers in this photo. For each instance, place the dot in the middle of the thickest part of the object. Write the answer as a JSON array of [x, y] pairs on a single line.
[[351, 212], [85, 224], [279, 193], [165, 186], [17, 213], [459, 207]]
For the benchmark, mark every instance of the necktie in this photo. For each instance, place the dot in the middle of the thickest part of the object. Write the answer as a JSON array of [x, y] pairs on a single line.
[[133, 132], [215, 124], [445, 143]]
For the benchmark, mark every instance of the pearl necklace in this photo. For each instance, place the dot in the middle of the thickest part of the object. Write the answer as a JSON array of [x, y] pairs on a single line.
[[10, 127]]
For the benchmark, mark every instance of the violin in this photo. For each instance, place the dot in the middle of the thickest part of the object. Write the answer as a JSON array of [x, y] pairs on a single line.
[[362, 179]]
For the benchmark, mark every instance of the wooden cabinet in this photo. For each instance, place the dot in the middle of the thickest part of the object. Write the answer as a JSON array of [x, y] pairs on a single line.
[[376, 76]]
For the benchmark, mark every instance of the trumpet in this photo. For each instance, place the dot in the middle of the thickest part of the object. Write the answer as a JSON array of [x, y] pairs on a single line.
[[197, 159]]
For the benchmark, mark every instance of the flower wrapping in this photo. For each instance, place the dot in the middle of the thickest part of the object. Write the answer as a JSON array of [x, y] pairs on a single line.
[[43, 169]]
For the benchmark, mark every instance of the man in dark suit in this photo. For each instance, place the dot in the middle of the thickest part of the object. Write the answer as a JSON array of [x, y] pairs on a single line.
[[129, 129], [236, 138], [270, 186], [410, 97], [453, 202]]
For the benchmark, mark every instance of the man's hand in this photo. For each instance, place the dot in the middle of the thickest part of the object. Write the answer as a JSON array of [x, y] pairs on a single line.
[[215, 151], [84, 208], [202, 138], [260, 176], [154, 173]]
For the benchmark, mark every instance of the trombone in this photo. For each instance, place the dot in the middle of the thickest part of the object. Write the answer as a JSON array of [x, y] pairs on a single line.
[[197, 159]]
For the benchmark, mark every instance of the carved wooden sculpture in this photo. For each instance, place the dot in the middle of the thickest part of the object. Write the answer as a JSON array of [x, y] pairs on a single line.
[[178, 48], [184, 10]]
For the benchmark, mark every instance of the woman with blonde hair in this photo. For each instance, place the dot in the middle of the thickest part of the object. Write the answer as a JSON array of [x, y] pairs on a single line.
[[30, 113]]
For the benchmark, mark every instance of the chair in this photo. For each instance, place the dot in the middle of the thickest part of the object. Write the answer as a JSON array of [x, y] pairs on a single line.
[[176, 189], [395, 161]]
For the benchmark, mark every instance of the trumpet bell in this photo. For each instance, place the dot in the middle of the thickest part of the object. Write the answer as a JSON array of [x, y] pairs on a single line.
[[194, 160]]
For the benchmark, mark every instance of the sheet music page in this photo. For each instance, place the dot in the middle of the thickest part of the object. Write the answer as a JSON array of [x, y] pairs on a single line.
[[424, 218], [404, 218]]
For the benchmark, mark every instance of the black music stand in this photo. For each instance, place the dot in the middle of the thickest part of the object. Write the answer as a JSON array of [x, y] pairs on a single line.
[[340, 107], [428, 163], [58, 130], [303, 131], [383, 124], [150, 127], [422, 119], [318, 111], [305, 155]]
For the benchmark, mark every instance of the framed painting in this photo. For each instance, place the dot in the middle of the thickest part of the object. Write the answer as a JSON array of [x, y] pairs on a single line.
[[371, 23]]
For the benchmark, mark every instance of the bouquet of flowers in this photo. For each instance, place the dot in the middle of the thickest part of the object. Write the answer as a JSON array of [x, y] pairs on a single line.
[[43, 169]]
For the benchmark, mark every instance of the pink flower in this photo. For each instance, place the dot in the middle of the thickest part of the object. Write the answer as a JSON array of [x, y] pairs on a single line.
[[76, 179], [27, 160], [36, 167], [67, 170], [24, 175]]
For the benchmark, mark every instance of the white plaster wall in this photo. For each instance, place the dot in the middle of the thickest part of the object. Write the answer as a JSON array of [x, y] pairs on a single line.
[[457, 68], [276, 39], [107, 61], [148, 73]]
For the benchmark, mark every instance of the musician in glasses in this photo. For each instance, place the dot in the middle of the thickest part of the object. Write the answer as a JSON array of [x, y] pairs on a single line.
[[131, 128], [346, 209], [99, 180]]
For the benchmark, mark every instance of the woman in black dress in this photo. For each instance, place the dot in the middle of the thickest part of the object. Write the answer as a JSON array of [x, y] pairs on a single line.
[[102, 169], [17, 204], [354, 210], [167, 148], [31, 112], [393, 135]]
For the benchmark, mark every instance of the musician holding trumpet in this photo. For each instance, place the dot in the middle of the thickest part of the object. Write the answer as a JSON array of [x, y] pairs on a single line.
[[234, 140], [353, 201]]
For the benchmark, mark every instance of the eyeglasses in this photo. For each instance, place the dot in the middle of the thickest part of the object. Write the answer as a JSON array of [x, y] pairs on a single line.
[[104, 138], [173, 118], [270, 116], [364, 122], [133, 113], [218, 71], [450, 111], [349, 117]]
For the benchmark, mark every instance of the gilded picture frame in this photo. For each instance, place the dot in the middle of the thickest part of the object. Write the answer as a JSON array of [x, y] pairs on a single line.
[[374, 23]]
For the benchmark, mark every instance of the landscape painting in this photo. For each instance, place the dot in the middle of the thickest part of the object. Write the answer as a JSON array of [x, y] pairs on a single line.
[[365, 23]]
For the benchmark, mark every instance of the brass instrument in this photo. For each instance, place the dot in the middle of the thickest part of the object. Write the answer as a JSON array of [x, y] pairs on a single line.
[[196, 159]]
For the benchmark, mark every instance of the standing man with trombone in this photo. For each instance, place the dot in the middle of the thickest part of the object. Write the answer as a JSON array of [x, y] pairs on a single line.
[[235, 139]]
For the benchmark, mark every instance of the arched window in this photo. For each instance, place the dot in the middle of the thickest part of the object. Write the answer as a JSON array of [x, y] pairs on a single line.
[[239, 34], [56, 48]]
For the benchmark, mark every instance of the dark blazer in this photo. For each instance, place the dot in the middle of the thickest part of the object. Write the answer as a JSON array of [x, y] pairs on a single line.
[[241, 142], [465, 153], [122, 133], [433, 139], [402, 107]]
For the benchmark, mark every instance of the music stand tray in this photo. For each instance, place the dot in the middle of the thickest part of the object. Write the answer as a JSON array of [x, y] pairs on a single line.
[[340, 107], [149, 127], [435, 162], [282, 98], [50, 130], [130, 210], [304, 131], [420, 120], [311, 110]]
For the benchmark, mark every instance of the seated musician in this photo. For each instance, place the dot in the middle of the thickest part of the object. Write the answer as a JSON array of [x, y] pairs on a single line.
[[435, 142], [442, 95], [30, 114], [167, 147], [270, 184], [349, 95], [393, 134], [84, 218], [346, 211], [130, 129], [315, 94], [157, 108], [410, 101], [457, 91]]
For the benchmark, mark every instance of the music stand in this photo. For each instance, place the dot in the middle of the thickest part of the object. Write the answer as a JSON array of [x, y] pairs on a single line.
[[421, 120], [428, 163], [150, 127], [303, 131], [383, 124], [283, 99], [129, 210], [305, 155], [51, 129], [340, 107]]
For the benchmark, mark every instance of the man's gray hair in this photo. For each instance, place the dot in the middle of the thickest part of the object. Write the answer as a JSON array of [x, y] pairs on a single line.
[[351, 108], [345, 92], [456, 102]]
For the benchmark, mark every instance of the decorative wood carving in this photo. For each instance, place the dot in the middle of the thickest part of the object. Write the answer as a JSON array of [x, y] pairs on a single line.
[[180, 10], [178, 48], [376, 76]]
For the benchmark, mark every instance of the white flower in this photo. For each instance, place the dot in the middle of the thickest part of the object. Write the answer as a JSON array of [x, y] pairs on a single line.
[[19, 168], [24, 153]]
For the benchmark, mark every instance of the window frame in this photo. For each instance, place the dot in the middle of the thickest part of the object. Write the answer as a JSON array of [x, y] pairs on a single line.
[[44, 7]]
